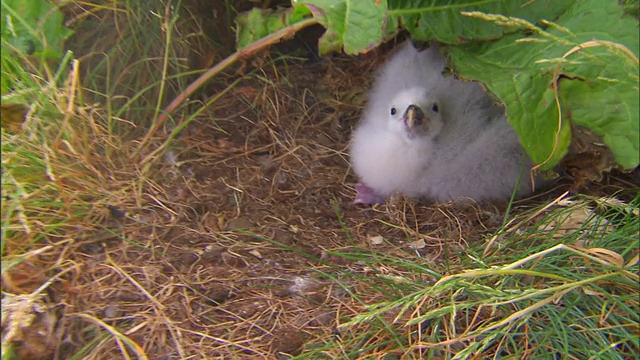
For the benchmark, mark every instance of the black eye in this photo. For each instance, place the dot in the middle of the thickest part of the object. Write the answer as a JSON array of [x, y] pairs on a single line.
[[393, 111], [435, 108]]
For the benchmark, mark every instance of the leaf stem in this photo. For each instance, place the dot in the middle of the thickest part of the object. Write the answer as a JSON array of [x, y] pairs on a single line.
[[251, 49]]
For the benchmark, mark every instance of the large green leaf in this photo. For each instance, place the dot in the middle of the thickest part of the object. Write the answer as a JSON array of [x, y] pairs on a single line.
[[598, 83], [442, 20], [608, 106], [355, 25], [352, 25]]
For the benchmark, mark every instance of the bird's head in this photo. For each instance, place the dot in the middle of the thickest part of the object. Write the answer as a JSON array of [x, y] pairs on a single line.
[[415, 113]]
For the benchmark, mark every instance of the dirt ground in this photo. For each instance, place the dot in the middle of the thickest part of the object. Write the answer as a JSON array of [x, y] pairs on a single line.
[[228, 251], [245, 212]]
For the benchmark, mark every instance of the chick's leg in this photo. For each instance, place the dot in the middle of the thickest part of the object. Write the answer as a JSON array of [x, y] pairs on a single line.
[[366, 195]]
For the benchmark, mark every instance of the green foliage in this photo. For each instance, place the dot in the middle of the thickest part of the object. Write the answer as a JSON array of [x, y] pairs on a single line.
[[12, 72], [258, 23], [597, 85], [342, 19], [516, 59], [34, 27], [443, 21]]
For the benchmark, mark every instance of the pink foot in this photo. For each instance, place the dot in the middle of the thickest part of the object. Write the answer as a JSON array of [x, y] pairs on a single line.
[[366, 195]]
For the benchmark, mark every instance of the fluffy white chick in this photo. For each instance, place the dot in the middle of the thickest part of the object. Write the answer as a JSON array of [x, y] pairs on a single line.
[[429, 135]]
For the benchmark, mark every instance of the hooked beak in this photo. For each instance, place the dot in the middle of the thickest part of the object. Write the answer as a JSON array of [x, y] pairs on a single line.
[[413, 116]]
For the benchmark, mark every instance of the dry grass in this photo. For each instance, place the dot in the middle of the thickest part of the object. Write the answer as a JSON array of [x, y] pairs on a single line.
[[239, 242]]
